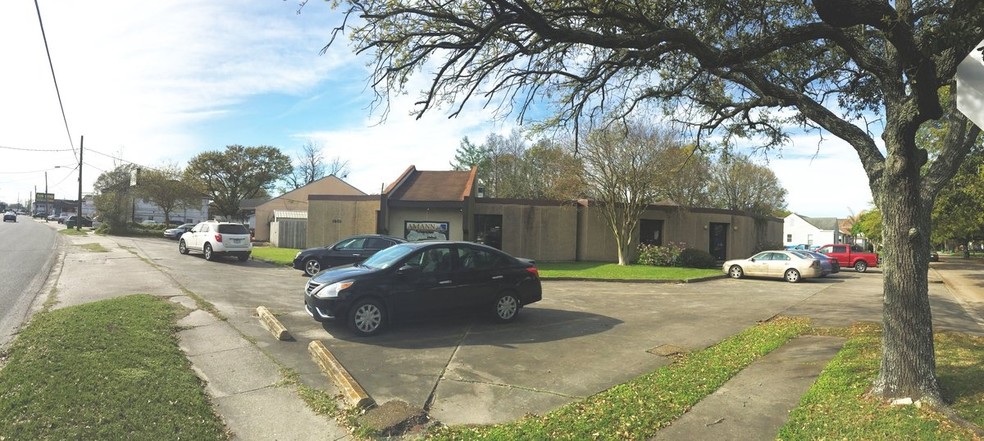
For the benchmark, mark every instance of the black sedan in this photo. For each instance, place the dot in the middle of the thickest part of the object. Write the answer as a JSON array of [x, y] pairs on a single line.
[[10, 216], [415, 278], [71, 222], [345, 252]]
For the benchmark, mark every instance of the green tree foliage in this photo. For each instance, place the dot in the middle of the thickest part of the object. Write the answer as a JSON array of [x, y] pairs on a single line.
[[114, 196], [738, 183], [869, 225], [236, 173], [165, 188], [736, 68], [626, 168], [509, 168]]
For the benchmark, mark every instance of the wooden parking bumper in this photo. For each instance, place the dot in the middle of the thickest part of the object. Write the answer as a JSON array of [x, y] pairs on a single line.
[[270, 322], [353, 392]]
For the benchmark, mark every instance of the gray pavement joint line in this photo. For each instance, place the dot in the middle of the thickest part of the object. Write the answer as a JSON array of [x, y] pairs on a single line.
[[528, 389], [963, 303], [804, 300], [444, 370]]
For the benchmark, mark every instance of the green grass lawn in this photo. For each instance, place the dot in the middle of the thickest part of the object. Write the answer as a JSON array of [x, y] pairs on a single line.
[[836, 406], [104, 370], [613, 271], [279, 256]]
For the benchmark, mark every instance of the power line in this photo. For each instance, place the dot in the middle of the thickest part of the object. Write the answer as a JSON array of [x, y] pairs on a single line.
[[55, 80], [24, 149]]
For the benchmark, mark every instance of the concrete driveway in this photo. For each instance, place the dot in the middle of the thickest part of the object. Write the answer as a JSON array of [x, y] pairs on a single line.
[[584, 337]]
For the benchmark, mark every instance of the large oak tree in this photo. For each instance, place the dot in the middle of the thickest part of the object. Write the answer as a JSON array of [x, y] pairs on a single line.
[[236, 173], [745, 67]]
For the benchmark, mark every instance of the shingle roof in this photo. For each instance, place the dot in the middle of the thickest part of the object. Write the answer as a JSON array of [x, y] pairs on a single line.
[[823, 223], [417, 185]]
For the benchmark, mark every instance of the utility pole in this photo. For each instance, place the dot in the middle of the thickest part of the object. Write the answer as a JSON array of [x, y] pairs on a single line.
[[47, 203], [78, 216]]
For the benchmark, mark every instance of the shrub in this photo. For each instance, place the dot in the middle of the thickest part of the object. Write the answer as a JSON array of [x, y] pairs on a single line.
[[656, 255], [694, 258]]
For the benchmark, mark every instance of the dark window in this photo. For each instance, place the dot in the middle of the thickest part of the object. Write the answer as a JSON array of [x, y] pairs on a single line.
[[651, 231], [432, 260], [375, 243], [789, 238], [476, 259], [488, 230], [355, 243], [232, 229]]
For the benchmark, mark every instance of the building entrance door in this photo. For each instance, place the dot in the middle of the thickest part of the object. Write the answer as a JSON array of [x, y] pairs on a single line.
[[488, 230], [719, 241]]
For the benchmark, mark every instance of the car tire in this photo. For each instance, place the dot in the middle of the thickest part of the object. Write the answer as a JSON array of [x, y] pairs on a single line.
[[312, 266], [860, 266], [506, 308], [736, 272], [367, 317], [791, 275], [182, 247], [209, 254]]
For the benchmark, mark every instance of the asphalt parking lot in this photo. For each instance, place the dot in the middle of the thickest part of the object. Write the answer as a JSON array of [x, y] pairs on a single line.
[[583, 337]]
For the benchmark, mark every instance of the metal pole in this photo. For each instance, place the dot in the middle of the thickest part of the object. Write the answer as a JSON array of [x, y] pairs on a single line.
[[47, 203], [78, 217]]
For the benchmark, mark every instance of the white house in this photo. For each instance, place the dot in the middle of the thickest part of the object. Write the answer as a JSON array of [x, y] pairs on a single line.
[[798, 229]]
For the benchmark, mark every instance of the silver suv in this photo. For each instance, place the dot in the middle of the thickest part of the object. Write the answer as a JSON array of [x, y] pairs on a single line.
[[213, 239]]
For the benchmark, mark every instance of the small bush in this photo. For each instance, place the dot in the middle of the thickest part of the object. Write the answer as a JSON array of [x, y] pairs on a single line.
[[694, 258], [656, 255]]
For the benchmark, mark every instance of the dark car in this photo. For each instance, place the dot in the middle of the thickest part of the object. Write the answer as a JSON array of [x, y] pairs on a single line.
[[176, 232], [345, 252], [827, 264], [70, 222], [10, 216], [414, 278]]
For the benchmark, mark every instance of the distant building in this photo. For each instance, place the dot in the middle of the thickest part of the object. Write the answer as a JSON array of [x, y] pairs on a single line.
[[812, 231]]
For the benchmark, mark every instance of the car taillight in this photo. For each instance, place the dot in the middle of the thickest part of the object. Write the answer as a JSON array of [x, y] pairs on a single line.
[[218, 237], [532, 270]]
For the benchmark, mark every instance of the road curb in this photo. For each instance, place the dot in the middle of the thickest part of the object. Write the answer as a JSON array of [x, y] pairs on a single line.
[[270, 322], [351, 389]]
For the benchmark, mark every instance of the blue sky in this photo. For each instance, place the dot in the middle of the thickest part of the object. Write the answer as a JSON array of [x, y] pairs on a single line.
[[158, 82]]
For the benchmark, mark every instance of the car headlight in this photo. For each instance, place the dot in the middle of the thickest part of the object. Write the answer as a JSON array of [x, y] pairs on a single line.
[[297, 255], [331, 291]]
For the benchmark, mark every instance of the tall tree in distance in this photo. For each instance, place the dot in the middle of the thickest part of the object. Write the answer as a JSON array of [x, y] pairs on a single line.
[[625, 170], [114, 196], [737, 183], [236, 173], [165, 188], [745, 68], [691, 171]]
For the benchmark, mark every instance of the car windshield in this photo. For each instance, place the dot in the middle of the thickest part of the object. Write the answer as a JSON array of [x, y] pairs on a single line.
[[387, 257]]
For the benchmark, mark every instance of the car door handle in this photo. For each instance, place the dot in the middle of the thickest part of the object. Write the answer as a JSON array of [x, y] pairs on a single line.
[[497, 277], [356, 255], [444, 282]]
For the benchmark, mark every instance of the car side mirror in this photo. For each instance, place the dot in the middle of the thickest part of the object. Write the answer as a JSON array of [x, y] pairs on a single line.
[[753, 259]]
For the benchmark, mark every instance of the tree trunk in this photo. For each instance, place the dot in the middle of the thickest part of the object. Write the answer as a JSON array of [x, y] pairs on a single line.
[[908, 363]]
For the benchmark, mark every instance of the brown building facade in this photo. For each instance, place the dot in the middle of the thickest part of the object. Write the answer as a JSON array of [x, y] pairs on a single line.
[[444, 205]]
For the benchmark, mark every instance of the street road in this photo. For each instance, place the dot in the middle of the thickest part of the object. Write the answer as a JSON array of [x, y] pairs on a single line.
[[27, 251]]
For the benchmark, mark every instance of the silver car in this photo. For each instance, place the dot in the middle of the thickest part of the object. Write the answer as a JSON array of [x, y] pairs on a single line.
[[782, 264]]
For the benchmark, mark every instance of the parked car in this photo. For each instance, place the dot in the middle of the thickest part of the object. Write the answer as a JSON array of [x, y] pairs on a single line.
[[344, 252], [176, 232], [53, 217], [10, 216], [851, 256], [61, 219], [413, 278], [215, 239], [934, 256], [827, 264], [71, 221], [781, 264]]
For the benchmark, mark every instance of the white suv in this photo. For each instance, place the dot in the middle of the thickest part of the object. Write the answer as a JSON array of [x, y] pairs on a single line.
[[213, 238]]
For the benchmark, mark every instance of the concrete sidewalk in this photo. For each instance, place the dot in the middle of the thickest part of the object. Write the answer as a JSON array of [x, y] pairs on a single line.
[[241, 380]]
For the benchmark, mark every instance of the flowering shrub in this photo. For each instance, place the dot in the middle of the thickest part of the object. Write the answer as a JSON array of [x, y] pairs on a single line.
[[656, 255]]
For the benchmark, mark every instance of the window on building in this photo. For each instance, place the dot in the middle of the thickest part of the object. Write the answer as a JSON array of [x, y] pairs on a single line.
[[651, 231], [789, 238], [488, 230]]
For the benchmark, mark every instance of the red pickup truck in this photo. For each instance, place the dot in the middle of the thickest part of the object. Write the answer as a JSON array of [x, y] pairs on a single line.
[[850, 256]]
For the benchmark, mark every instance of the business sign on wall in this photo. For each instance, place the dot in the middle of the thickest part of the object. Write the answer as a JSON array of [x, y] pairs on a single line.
[[424, 230]]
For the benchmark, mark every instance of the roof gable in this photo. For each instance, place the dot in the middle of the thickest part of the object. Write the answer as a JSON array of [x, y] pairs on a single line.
[[417, 185]]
